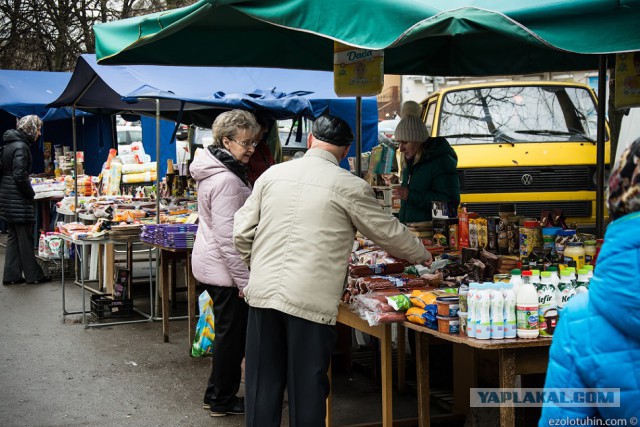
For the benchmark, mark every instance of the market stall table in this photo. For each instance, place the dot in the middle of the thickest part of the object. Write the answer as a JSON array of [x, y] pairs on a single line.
[[383, 333], [516, 356], [168, 255], [79, 254]]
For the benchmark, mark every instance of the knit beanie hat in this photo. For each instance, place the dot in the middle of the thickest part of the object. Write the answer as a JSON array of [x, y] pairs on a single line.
[[411, 129], [624, 183], [30, 126]]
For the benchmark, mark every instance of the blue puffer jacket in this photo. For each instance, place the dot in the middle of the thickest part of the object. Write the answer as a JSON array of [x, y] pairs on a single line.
[[597, 341]]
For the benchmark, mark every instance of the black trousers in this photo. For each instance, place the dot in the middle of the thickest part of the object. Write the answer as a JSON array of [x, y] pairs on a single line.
[[286, 351], [20, 257], [230, 317]]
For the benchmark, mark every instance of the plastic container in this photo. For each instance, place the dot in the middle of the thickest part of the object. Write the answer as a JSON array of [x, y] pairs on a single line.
[[497, 311], [448, 306], [574, 251], [530, 237], [549, 238], [566, 289], [103, 307], [509, 310], [483, 311], [462, 315], [448, 325], [527, 309], [516, 280], [582, 284], [463, 293], [471, 309], [555, 277], [547, 311]]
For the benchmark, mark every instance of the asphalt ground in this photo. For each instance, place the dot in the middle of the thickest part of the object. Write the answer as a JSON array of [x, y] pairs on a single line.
[[56, 372]]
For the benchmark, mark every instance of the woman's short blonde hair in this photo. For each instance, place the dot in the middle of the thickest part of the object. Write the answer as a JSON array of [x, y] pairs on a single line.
[[228, 123]]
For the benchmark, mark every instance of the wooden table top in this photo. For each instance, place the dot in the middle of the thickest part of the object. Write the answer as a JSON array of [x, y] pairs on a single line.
[[482, 344]]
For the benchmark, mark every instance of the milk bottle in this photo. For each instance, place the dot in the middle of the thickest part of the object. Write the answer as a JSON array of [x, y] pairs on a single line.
[[471, 306], [527, 308], [509, 310], [547, 311], [565, 289], [582, 284], [555, 277], [516, 280], [535, 278], [497, 311], [483, 312]]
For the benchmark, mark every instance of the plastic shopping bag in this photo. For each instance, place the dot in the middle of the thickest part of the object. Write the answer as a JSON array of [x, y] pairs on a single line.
[[205, 332]]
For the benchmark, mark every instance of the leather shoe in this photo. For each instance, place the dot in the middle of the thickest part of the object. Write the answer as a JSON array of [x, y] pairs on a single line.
[[13, 282], [236, 409], [45, 279]]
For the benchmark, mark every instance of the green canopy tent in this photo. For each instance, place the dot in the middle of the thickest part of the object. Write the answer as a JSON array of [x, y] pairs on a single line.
[[435, 37]]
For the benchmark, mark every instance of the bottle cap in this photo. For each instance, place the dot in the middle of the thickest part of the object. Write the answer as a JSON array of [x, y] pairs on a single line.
[[583, 271], [516, 272], [590, 242], [566, 232], [552, 268], [530, 223], [571, 269], [566, 273], [588, 267], [545, 274], [535, 272], [526, 273]]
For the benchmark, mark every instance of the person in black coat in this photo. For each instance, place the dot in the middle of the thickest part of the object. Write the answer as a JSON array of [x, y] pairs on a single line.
[[17, 207]]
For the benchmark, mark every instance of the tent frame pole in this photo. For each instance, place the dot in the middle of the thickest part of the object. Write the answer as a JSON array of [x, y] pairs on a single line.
[[600, 154], [358, 166]]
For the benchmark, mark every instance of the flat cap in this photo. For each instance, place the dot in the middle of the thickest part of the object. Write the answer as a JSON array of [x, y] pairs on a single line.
[[333, 130]]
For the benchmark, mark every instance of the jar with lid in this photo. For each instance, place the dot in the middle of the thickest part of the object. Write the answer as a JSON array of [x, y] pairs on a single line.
[[589, 251], [562, 237], [574, 251], [530, 237]]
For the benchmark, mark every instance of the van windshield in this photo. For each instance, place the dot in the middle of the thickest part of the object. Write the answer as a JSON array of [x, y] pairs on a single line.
[[517, 114]]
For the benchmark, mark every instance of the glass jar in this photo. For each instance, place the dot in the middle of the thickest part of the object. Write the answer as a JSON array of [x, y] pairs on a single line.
[[574, 251], [589, 251]]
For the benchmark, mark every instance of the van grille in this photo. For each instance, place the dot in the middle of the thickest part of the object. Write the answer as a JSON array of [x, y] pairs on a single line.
[[510, 180], [533, 209]]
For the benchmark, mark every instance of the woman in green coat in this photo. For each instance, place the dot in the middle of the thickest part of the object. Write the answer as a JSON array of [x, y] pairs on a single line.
[[429, 171]]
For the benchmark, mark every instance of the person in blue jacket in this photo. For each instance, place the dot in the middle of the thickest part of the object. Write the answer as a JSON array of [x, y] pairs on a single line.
[[597, 342]]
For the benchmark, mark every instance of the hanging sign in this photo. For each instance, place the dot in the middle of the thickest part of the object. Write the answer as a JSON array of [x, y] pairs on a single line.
[[357, 72], [627, 84]]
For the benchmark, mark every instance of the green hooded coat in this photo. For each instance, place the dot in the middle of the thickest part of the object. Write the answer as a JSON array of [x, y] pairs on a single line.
[[433, 178]]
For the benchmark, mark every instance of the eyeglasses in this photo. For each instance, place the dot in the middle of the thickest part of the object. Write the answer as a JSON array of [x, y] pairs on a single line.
[[245, 144]]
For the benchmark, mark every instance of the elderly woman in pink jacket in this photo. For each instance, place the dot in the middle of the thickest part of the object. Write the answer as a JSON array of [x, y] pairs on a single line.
[[223, 186]]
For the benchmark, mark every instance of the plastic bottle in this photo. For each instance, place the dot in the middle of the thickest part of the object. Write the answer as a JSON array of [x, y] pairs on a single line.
[[497, 311], [582, 284], [535, 278], [483, 312], [509, 310], [589, 251], [516, 280], [471, 309], [527, 308], [555, 277], [547, 310], [565, 289], [589, 269]]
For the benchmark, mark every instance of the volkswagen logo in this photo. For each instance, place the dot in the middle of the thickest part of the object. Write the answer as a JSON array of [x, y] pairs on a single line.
[[526, 179]]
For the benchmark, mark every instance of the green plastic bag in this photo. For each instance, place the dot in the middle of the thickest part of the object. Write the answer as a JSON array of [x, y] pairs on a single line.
[[205, 331]]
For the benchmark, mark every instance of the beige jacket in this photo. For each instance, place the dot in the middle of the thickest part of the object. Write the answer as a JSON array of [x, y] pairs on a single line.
[[296, 233]]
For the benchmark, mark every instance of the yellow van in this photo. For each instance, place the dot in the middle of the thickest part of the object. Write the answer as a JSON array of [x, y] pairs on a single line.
[[528, 143]]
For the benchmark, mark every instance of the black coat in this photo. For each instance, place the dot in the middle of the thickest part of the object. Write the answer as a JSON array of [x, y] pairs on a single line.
[[16, 194]]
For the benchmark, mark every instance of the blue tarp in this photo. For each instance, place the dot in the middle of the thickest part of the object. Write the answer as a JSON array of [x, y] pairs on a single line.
[[204, 92], [28, 92]]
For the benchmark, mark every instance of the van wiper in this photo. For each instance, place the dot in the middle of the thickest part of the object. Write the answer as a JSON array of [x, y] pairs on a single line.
[[497, 136], [556, 132]]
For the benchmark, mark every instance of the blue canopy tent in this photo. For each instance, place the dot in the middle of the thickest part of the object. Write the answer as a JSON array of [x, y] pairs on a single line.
[[196, 95], [28, 92]]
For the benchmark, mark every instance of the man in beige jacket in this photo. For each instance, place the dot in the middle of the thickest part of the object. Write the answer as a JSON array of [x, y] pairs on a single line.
[[296, 232]]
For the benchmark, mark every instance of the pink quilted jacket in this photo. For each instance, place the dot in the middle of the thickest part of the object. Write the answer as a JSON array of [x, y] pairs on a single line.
[[221, 193]]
